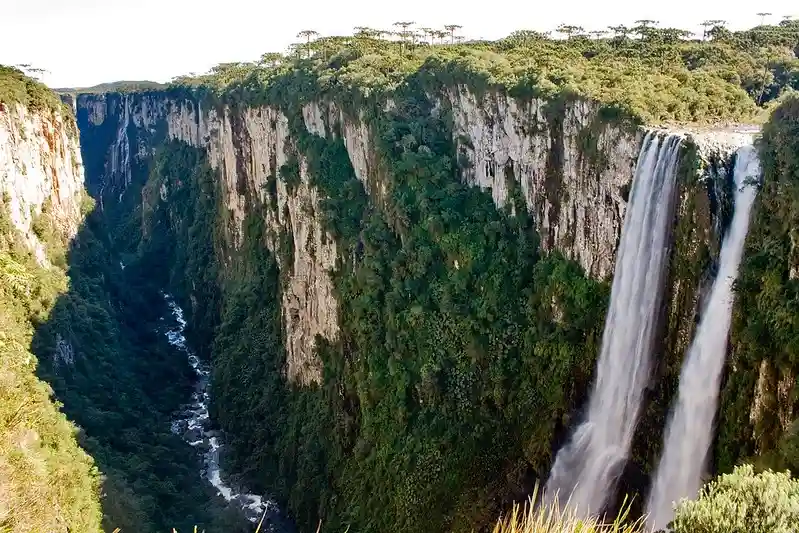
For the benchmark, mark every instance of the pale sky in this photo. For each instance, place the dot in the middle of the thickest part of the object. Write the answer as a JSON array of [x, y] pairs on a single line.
[[86, 42]]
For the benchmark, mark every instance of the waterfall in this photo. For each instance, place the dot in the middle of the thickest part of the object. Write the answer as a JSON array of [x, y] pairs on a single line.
[[586, 469], [690, 430]]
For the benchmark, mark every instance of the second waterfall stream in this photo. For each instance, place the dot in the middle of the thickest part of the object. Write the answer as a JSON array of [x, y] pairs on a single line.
[[690, 430]]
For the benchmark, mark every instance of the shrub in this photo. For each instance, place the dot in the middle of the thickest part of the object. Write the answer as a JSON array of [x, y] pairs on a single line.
[[742, 502]]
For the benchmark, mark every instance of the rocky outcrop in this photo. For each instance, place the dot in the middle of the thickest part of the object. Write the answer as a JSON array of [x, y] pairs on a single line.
[[248, 149], [40, 171], [572, 168]]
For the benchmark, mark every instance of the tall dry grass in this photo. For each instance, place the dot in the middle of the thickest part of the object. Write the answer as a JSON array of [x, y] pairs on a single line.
[[553, 518]]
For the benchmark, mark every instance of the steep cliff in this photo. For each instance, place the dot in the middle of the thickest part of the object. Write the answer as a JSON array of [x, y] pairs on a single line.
[[41, 173], [761, 395], [572, 169], [87, 391], [47, 482]]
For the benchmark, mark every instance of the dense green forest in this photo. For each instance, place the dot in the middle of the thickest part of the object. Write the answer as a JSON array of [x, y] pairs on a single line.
[[653, 74]]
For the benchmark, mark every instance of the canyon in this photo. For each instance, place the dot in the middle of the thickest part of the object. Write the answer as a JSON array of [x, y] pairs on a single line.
[[297, 300]]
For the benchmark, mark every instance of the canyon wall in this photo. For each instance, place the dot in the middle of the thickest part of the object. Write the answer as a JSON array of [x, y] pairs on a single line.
[[47, 481], [40, 171], [576, 201]]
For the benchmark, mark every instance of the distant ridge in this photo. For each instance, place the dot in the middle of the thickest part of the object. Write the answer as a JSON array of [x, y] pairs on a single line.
[[115, 86]]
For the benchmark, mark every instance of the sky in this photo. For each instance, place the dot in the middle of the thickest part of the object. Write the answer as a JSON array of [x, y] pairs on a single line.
[[85, 42]]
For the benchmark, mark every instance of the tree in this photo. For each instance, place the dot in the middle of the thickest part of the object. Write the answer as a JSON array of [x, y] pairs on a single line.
[[708, 24], [620, 30], [365, 32], [403, 33], [763, 16], [307, 35], [719, 33], [569, 30], [440, 35], [452, 28], [645, 28], [272, 59], [674, 35]]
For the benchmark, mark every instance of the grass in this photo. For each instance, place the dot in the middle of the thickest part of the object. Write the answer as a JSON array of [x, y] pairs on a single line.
[[552, 518]]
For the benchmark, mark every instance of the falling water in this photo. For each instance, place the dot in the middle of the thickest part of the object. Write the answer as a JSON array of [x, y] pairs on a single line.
[[586, 469], [690, 430]]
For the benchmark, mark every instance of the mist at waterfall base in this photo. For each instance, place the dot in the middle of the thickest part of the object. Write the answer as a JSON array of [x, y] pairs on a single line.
[[689, 432], [194, 424], [587, 467]]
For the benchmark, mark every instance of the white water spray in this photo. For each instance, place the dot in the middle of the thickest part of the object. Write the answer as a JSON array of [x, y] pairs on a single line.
[[586, 469], [690, 430], [193, 423]]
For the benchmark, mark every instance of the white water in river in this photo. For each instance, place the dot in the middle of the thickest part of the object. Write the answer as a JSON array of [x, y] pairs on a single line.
[[586, 468], [193, 423], [690, 430]]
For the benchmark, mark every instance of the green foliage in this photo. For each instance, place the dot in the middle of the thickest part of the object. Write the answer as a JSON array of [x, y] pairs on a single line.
[[17, 88], [454, 329], [46, 480], [659, 77], [742, 502], [766, 315], [98, 338], [463, 349]]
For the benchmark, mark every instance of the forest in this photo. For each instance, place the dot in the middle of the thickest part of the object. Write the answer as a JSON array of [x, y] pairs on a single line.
[[653, 74], [465, 349]]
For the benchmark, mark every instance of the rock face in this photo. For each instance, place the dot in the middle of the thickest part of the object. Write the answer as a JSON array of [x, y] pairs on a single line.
[[247, 148], [40, 170], [571, 167]]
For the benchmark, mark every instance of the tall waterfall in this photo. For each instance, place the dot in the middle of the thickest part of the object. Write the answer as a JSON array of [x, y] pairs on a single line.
[[690, 430], [586, 469]]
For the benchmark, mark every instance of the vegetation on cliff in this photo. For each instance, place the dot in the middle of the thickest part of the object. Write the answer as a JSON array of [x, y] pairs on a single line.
[[94, 337], [765, 333], [649, 73], [18, 88], [81, 339], [463, 349], [454, 329], [46, 480]]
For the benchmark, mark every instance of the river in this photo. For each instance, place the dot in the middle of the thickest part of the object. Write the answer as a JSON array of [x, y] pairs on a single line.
[[193, 423]]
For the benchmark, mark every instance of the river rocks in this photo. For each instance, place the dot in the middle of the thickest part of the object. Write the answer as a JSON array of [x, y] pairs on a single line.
[[193, 435], [193, 424]]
